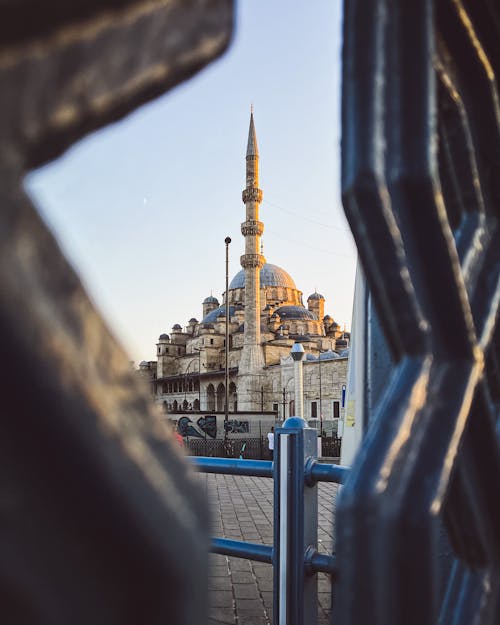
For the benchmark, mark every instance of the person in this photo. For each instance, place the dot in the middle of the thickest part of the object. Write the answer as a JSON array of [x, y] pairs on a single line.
[[270, 442]]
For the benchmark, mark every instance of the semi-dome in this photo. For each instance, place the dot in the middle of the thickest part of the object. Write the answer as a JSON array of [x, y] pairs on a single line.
[[270, 275], [295, 312], [177, 328], [213, 315], [193, 320], [164, 337]]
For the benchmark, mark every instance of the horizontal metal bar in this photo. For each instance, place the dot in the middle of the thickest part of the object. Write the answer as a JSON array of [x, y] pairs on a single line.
[[324, 563], [232, 466], [319, 472], [315, 562], [240, 549]]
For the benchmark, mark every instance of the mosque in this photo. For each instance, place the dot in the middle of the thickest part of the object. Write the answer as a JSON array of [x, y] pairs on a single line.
[[266, 316]]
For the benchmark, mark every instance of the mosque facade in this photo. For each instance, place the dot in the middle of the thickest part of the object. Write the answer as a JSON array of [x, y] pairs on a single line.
[[266, 316]]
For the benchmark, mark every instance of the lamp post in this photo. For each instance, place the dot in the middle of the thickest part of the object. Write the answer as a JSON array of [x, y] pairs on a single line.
[[298, 354], [227, 241], [320, 400]]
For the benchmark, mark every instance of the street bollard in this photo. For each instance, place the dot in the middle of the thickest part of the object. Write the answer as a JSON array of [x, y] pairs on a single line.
[[295, 524]]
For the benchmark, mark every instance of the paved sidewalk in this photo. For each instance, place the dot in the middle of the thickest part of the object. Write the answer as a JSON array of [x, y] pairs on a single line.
[[240, 591]]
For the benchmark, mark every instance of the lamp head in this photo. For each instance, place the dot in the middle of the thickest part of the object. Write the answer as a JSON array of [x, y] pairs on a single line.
[[297, 352]]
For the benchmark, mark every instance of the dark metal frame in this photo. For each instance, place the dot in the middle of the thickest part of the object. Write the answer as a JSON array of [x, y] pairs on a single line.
[[421, 189], [101, 522]]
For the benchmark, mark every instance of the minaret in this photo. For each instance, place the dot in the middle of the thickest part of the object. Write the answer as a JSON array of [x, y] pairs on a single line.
[[252, 357]]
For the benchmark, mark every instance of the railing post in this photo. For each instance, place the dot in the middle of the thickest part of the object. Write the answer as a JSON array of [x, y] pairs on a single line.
[[295, 524]]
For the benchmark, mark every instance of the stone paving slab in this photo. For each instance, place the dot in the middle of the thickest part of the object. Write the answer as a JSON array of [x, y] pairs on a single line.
[[241, 591]]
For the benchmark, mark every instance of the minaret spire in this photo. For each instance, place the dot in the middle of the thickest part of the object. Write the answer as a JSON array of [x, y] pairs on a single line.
[[252, 357], [252, 149]]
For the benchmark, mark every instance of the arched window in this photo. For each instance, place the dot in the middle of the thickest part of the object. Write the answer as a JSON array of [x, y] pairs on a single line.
[[233, 397], [175, 406], [210, 398], [196, 404], [220, 397], [185, 405]]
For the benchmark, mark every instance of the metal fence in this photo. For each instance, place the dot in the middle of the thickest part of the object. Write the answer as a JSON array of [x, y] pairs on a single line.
[[249, 448], [255, 448], [294, 554]]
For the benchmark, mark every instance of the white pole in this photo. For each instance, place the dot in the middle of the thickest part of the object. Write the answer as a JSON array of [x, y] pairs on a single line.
[[283, 580], [298, 354]]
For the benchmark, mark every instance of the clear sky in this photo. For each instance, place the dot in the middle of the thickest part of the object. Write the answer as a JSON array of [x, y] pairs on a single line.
[[142, 207]]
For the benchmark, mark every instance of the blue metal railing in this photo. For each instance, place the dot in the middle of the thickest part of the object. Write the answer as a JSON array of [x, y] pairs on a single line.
[[294, 555]]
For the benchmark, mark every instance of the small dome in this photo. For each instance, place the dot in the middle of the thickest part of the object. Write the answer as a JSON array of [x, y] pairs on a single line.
[[295, 312], [143, 363], [164, 337], [329, 355], [211, 300], [193, 320], [316, 296], [327, 319], [270, 275], [177, 327], [213, 315]]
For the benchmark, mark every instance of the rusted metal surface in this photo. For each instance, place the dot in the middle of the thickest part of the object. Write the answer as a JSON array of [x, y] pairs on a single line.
[[101, 518]]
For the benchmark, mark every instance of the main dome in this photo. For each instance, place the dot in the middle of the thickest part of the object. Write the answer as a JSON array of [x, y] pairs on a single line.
[[270, 275]]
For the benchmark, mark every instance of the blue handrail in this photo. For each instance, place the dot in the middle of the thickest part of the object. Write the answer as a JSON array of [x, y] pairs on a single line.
[[319, 472], [232, 466], [240, 549]]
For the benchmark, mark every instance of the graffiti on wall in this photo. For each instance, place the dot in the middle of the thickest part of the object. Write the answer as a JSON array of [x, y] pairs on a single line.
[[204, 426]]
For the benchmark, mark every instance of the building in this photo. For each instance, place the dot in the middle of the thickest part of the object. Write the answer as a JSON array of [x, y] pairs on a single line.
[[266, 316]]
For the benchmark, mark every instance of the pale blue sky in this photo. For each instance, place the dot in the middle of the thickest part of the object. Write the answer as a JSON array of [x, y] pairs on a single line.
[[142, 208]]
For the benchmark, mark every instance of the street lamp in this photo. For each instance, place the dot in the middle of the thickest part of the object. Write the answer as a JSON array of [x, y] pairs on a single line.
[[227, 241]]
